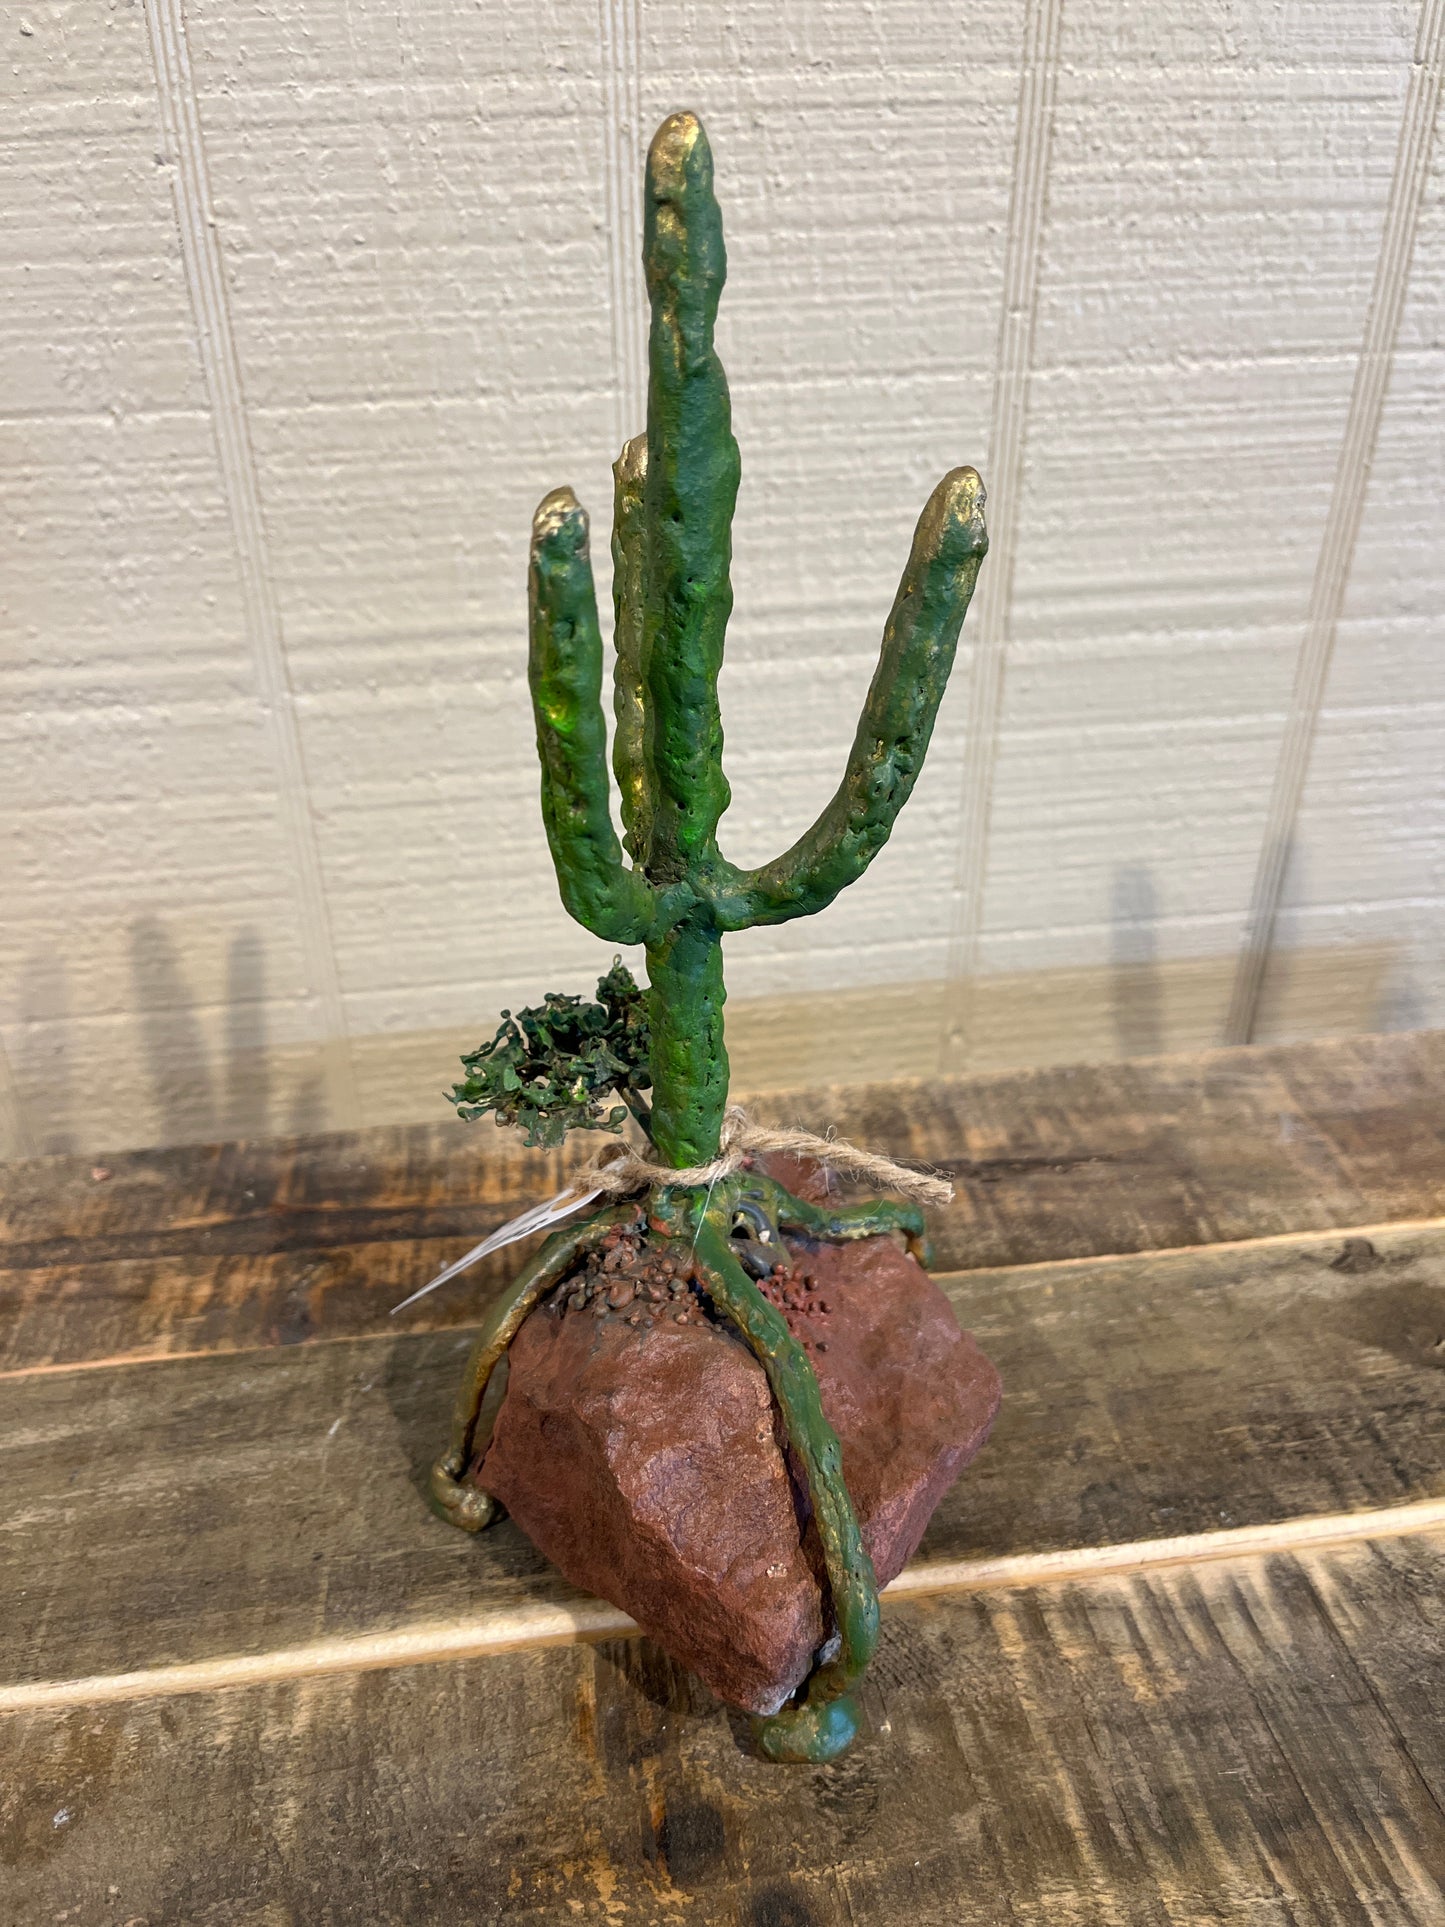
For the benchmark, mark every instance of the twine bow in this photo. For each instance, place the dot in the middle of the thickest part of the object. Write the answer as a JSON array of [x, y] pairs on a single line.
[[619, 1172]]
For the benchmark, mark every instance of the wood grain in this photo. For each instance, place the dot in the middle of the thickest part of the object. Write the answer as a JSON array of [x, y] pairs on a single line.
[[1143, 1675], [211, 1506], [243, 1244], [1182, 1747]]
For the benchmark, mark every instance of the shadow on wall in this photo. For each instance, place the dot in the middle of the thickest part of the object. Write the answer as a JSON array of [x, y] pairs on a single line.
[[173, 1050], [1290, 1005], [194, 1097], [1136, 982], [42, 1059]]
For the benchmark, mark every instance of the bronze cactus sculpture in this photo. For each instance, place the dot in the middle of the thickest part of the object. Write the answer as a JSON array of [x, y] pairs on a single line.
[[675, 492]]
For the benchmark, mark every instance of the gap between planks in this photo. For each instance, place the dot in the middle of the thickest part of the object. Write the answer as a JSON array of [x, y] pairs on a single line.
[[591, 1620], [1331, 1234]]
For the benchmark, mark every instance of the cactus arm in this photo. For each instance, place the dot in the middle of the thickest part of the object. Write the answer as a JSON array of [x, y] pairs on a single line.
[[913, 667], [629, 577], [690, 490], [565, 672]]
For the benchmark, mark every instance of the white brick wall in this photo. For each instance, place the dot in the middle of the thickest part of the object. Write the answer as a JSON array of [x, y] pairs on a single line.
[[304, 308]]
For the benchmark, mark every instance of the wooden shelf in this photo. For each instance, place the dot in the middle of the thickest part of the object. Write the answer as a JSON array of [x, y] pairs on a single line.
[[1172, 1650]]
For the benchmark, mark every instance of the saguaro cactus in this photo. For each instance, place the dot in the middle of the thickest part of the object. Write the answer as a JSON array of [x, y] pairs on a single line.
[[675, 491]]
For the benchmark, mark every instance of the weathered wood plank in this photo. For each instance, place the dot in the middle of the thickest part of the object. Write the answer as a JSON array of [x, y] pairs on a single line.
[[176, 1511], [234, 1245], [1386, 1612], [1182, 1747]]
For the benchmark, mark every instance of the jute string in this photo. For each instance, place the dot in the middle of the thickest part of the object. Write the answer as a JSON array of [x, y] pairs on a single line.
[[619, 1170]]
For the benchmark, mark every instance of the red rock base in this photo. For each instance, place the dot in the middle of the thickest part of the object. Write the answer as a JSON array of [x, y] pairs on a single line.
[[638, 1447]]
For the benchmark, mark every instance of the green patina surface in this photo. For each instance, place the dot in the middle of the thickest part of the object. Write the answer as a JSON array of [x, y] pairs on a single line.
[[672, 546], [675, 492]]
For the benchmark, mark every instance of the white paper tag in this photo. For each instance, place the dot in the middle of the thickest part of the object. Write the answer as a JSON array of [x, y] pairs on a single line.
[[538, 1218]]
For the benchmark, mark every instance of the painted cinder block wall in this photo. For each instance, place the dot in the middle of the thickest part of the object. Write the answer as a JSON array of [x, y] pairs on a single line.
[[304, 308]]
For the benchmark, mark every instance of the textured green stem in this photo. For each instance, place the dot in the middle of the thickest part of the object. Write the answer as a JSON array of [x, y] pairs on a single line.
[[565, 672], [690, 491], [629, 592], [897, 721], [676, 488], [827, 1720], [689, 1059]]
